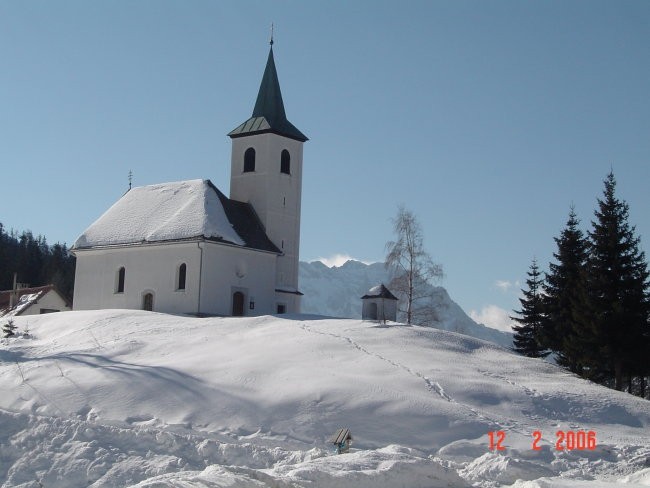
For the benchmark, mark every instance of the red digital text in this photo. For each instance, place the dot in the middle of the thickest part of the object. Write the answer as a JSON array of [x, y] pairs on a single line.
[[568, 440]]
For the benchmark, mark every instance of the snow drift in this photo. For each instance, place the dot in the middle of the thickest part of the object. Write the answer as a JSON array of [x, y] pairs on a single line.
[[130, 398]]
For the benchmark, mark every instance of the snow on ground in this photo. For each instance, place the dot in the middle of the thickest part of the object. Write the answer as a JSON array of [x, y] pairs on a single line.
[[131, 398]]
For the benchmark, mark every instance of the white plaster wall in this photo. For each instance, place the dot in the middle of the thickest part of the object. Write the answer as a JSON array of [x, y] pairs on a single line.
[[153, 268], [227, 269], [51, 300], [275, 196], [290, 300], [386, 309], [149, 268]]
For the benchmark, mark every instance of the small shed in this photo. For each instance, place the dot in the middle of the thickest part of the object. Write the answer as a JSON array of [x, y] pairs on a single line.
[[341, 439], [32, 301], [379, 304]]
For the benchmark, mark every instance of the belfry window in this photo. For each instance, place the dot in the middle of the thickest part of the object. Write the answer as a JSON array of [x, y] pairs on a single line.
[[121, 275], [249, 160], [285, 162], [182, 274]]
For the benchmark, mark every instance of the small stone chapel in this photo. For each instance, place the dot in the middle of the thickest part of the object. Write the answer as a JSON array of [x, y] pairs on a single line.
[[186, 248], [379, 304]]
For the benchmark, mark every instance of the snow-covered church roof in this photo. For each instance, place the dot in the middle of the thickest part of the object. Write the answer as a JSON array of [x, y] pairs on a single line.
[[176, 211]]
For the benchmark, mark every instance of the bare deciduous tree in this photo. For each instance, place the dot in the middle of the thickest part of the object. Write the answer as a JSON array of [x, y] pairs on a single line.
[[412, 269]]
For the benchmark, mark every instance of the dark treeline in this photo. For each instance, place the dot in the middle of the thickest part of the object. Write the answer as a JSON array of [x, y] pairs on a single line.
[[36, 262], [592, 308]]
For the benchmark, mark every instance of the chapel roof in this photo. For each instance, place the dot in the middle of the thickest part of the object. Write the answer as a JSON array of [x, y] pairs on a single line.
[[268, 113], [379, 291], [182, 210]]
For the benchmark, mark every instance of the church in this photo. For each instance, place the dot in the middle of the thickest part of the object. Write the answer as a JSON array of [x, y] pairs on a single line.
[[186, 248]]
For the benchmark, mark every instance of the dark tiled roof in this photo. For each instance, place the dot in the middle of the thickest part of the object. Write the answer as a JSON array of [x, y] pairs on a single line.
[[268, 114], [246, 223], [380, 292]]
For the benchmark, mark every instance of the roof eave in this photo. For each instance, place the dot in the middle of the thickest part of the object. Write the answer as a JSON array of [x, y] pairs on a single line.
[[290, 292], [300, 138], [213, 240]]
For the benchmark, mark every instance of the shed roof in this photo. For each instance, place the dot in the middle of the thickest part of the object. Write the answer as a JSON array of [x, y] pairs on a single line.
[[340, 436], [26, 297], [379, 291]]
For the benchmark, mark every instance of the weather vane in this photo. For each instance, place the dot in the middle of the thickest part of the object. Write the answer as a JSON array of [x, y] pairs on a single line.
[[271, 34], [130, 178]]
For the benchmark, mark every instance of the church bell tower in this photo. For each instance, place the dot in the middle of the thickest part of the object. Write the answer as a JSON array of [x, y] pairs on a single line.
[[266, 171]]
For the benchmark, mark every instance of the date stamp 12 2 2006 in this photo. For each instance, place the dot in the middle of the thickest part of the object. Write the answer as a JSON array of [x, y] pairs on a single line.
[[568, 440]]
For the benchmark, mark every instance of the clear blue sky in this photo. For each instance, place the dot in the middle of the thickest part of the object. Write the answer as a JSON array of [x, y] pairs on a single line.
[[486, 119]]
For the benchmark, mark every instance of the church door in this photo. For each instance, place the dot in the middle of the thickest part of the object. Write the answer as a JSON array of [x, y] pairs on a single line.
[[147, 302], [238, 304]]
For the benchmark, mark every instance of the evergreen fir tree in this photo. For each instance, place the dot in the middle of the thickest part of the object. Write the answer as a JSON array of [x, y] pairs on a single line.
[[9, 328], [527, 335], [618, 291], [564, 298]]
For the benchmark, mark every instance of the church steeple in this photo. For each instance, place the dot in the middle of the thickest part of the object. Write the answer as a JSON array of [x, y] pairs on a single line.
[[269, 98], [268, 113]]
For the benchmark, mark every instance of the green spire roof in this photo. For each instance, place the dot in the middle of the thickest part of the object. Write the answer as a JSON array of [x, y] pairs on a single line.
[[269, 114]]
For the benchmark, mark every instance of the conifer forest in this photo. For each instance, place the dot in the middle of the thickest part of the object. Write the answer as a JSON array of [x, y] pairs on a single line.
[[591, 309], [35, 262]]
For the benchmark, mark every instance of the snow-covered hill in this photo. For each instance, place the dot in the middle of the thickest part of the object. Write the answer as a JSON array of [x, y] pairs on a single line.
[[129, 398], [337, 292]]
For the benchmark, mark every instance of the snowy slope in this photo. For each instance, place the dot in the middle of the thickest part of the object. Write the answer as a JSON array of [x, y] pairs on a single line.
[[129, 398], [337, 292]]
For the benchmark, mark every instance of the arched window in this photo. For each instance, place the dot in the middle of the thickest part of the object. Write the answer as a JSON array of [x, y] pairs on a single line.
[[285, 162], [249, 160], [182, 274], [121, 275], [147, 302]]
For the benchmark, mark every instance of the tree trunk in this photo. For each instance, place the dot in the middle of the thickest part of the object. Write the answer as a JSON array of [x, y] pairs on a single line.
[[409, 306], [618, 375], [642, 387]]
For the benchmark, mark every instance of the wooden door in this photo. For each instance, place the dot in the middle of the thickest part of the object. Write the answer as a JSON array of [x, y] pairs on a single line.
[[147, 302], [238, 304]]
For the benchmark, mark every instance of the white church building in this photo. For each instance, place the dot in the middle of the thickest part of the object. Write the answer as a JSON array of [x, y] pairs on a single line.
[[186, 248]]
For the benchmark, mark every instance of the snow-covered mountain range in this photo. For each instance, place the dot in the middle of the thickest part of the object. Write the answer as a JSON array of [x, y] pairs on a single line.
[[124, 398], [336, 292]]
